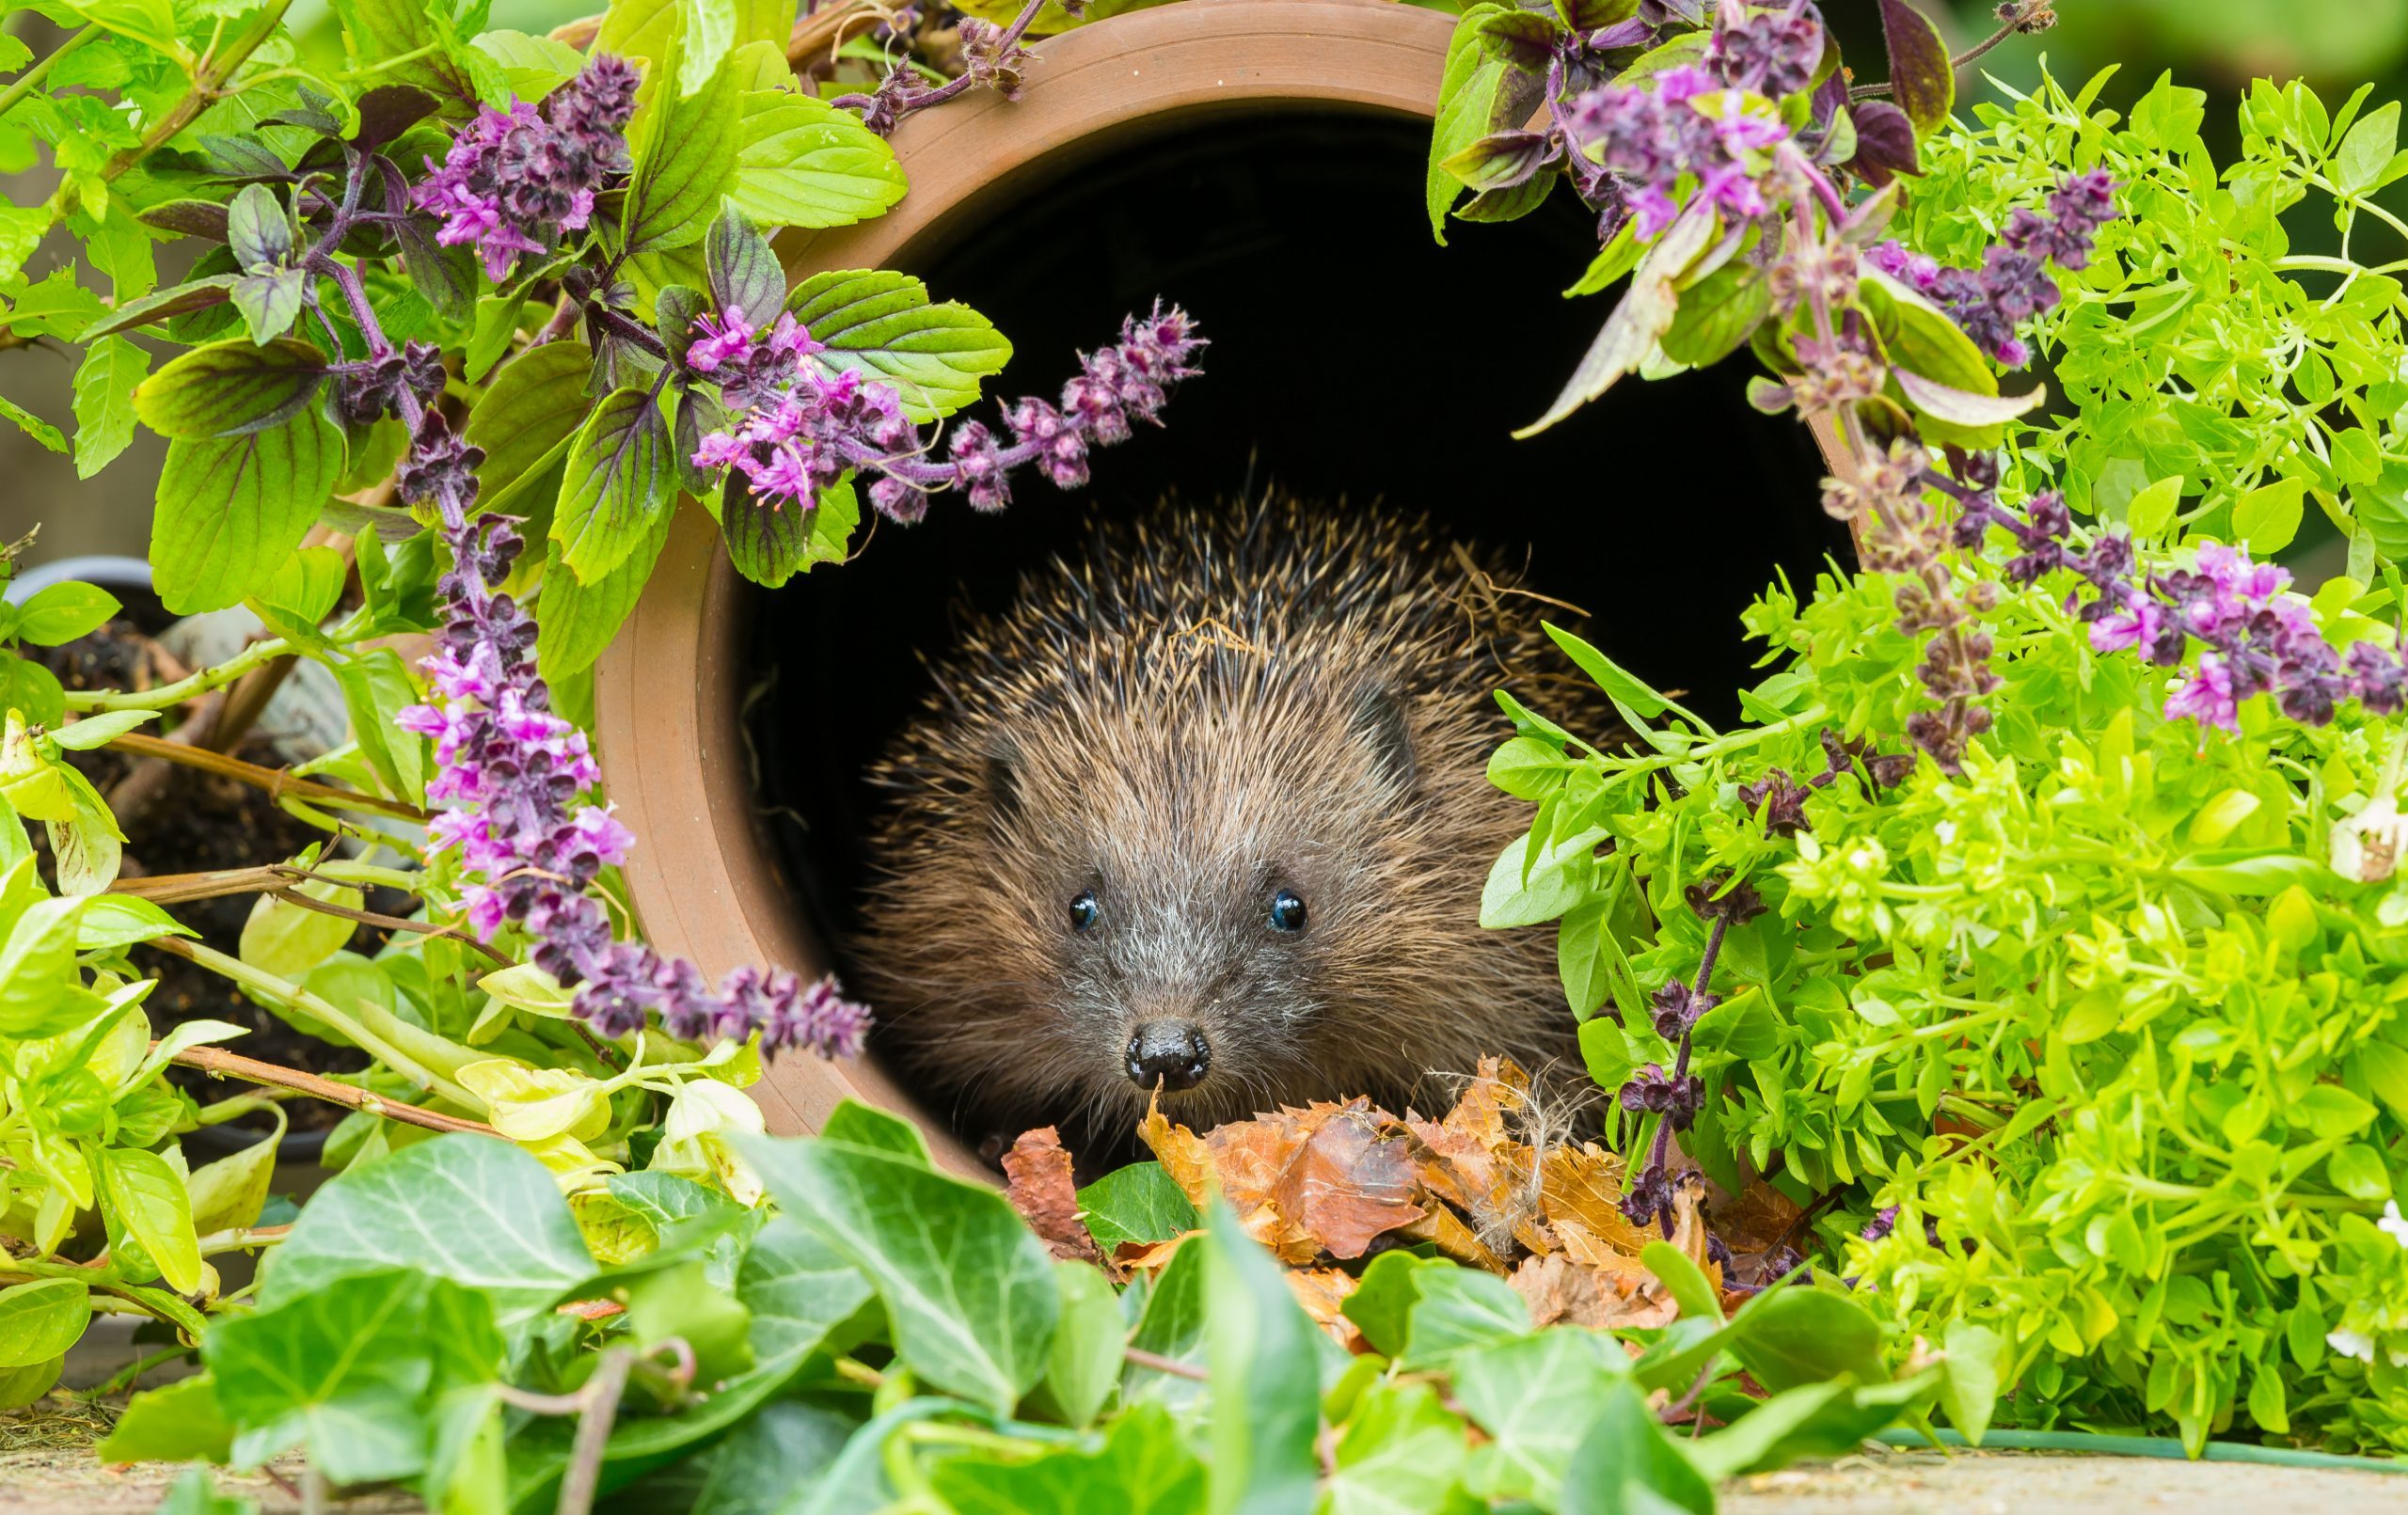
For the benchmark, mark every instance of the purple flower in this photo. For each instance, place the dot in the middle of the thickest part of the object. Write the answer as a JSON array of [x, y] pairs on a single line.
[[2205, 696], [1652, 132], [798, 431], [1884, 1222], [1772, 51], [514, 181], [2013, 284], [2137, 625]]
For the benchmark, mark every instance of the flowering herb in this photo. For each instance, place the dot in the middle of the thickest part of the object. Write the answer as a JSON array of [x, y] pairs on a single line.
[[2078, 1009]]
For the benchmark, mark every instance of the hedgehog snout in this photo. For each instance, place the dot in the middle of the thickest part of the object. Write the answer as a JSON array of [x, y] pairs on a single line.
[[1168, 1054]]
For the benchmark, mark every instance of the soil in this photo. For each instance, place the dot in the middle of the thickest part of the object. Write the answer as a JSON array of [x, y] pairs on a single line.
[[199, 822]]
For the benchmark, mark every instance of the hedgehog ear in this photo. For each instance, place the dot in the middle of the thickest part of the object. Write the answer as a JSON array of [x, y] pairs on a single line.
[[1379, 722], [1002, 781]]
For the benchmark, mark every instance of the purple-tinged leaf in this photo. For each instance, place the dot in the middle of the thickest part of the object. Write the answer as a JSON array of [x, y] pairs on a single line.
[[389, 110], [198, 296], [1770, 395], [1885, 143], [1964, 408], [1524, 39], [239, 157], [1509, 204], [187, 218], [1646, 311], [744, 274], [1922, 79], [1500, 160]]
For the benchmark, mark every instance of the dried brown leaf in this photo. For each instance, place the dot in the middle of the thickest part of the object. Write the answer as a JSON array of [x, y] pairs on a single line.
[[1346, 1184], [1039, 1186], [1321, 1291]]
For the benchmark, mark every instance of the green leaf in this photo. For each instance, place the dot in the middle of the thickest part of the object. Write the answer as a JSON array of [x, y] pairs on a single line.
[[33, 426], [770, 544], [970, 1290], [760, 1464], [231, 510], [1139, 1202], [684, 163], [1171, 1325], [1084, 1366], [104, 385], [232, 1192], [230, 389], [1382, 1304], [62, 612], [745, 274], [804, 162], [1522, 890], [1716, 314], [1683, 1279], [1467, 92], [1143, 1468], [880, 323], [173, 1424], [2152, 511], [37, 969], [1400, 1454], [41, 1319], [531, 407], [122, 920], [1626, 1466], [147, 1197], [859, 1125], [534, 65], [288, 940], [1923, 80], [1535, 1397], [1970, 1377], [1799, 1334], [2358, 1170], [1458, 1308], [579, 619], [376, 688], [801, 1293], [1647, 308], [2367, 151], [1266, 1385], [1618, 682], [2267, 518], [269, 302], [342, 1369], [616, 488], [465, 1207]]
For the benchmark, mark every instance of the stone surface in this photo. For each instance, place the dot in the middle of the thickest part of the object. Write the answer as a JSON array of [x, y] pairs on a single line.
[[2046, 1483]]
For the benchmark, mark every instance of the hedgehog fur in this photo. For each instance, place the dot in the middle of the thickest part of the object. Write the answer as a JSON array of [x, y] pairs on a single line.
[[1212, 709]]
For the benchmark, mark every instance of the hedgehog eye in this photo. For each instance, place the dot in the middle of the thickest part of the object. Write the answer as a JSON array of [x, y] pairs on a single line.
[[1083, 910], [1287, 911]]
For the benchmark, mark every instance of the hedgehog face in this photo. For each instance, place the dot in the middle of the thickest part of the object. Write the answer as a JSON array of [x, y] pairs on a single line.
[[1188, 888]]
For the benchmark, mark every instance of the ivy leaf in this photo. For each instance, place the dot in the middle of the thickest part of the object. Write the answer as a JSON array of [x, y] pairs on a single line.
[[616, 486], [230, 389], [1140, 1202], [1402, 1450], [1626, 1466], [968, 1289], [880, 323], [478, 1212], [231, 510], [105, 384], [1143, 1467], [1923, 80], [1266, 1385], [803, 162], [1535, 1397]]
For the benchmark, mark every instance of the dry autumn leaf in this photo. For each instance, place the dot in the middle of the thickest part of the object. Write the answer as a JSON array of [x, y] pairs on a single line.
[[1041, 1188]]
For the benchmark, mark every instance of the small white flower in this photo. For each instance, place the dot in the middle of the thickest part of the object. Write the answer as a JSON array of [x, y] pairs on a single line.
[[2394, 1222], [1946, 831], [2350, 1344]]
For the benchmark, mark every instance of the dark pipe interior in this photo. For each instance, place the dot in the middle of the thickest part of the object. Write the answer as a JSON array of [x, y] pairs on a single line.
[[1351, 356]]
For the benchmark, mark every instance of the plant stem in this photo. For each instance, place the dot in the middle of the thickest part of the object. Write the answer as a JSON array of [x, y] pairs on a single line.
[[279, 783], [584, 1476], [1155, 1361], [30, 81], [88, 702], [227, 1064], [261, 982], [390, 922]]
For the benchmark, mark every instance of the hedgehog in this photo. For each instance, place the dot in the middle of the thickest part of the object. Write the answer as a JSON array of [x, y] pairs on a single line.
[[1204, 819]]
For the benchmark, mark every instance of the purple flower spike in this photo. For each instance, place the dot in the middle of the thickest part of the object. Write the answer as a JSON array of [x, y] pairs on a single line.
[[516, 180], [2013, 284]]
